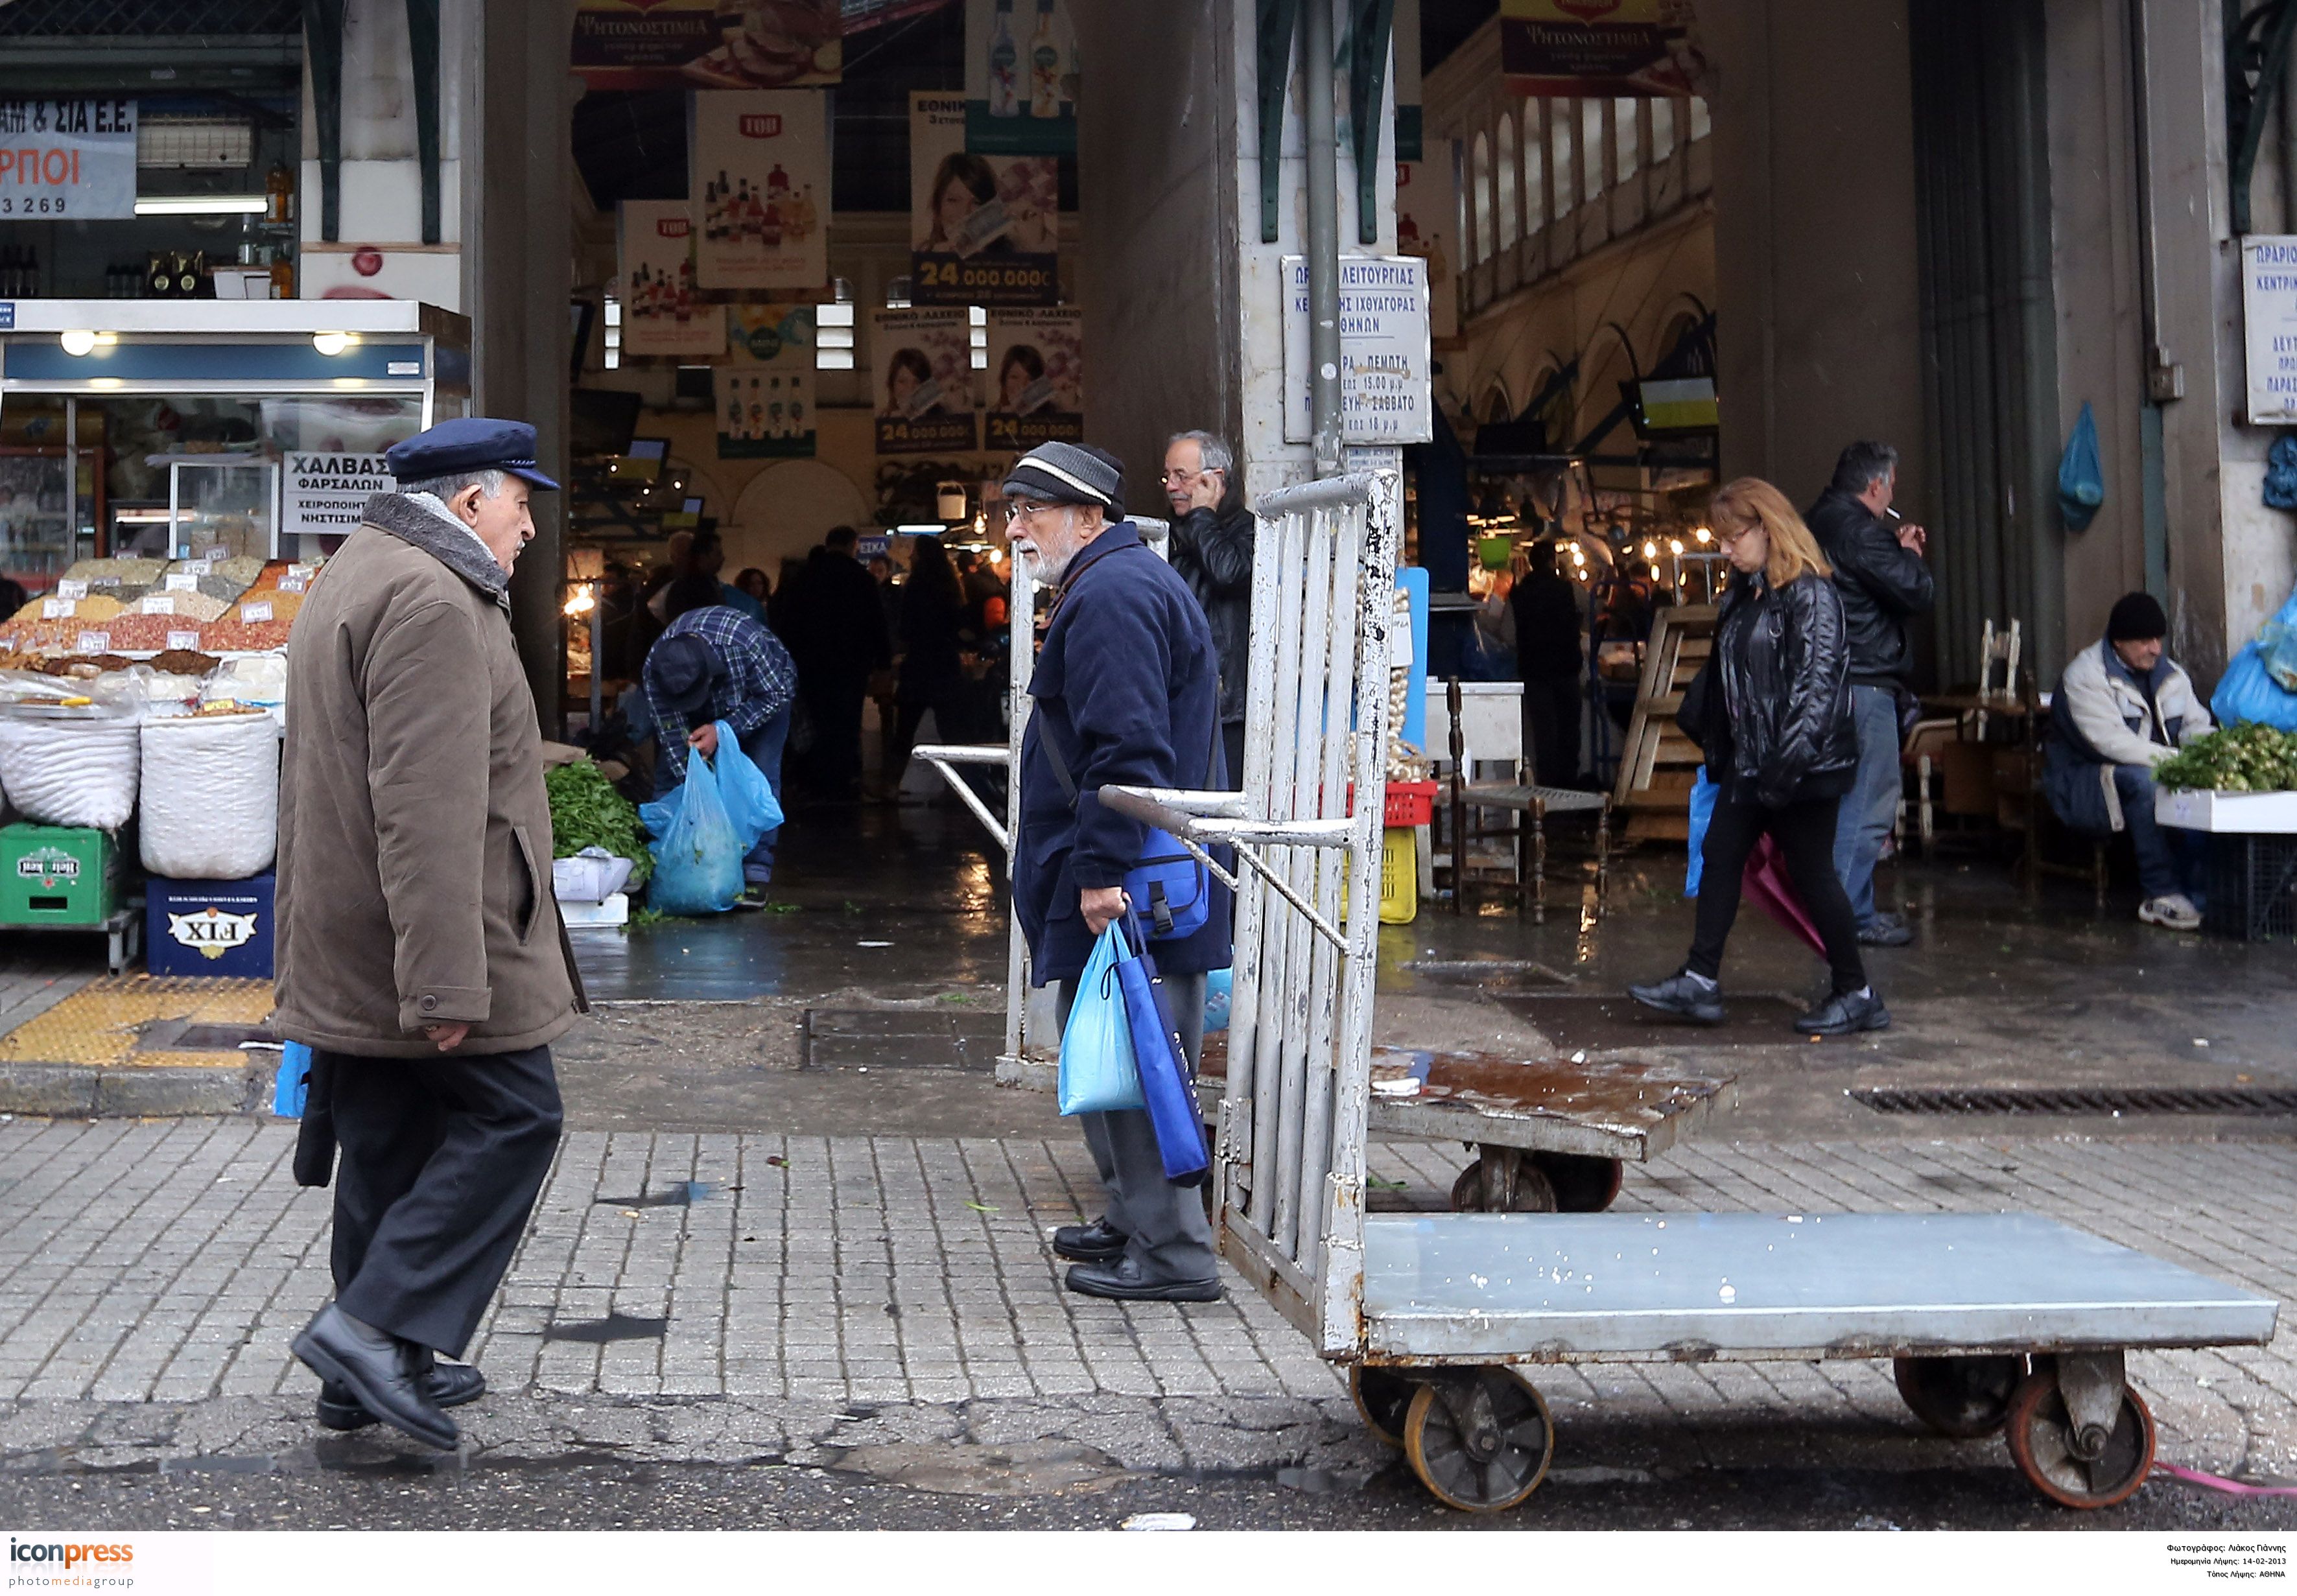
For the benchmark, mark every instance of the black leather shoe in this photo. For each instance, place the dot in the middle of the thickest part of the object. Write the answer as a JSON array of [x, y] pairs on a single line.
[[1888, 931], [446, 1385], [1683, 997], [382, 1373], [1096, 1243], [1123, 1281], [1845, 1014]]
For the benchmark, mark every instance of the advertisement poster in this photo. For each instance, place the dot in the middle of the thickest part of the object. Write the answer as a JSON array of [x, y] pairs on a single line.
[[325, 491], [765, 386], [759, 189], [1598, 48], [1020, 77], [1036, 378], [984, 230], [921, 369], [67, 159], [735, 44], [1428, 226], [1386, 366], [660, 316]]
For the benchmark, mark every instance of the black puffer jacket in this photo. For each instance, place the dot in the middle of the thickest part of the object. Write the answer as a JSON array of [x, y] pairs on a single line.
[[1212, 549], [1881, 585], [1781, 661]]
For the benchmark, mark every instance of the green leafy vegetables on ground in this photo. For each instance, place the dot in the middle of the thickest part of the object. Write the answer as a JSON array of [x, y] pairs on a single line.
[[2249, 757], [587, 812]]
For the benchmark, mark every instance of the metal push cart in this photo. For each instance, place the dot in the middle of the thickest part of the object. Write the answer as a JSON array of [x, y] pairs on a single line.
[[2006, 1322]]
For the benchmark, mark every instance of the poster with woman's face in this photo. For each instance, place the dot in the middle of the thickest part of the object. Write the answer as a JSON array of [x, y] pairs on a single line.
[[921, 368], [984, 230], [1036, 378]]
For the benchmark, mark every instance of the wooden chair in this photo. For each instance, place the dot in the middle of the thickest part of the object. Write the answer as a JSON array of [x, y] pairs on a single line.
[[1525, 804], [1658, 764], [2028, 811]]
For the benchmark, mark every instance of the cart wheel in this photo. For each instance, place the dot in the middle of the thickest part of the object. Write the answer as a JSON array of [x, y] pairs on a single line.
[[1583, 1184], [2043, 1444], [1525, 1185], [1383, 1399], [1962, 1397], [1480, 1441]]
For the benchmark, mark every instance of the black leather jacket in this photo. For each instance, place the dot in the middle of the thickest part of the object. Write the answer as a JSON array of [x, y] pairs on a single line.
[[1212, 549], [1881, 585], [1779, 661]]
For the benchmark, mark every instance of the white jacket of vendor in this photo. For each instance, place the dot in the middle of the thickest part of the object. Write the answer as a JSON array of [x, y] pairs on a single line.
[[2109, 710]]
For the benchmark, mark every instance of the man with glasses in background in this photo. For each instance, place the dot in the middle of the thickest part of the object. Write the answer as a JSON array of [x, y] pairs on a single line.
[[1126, 693], [1211, 547]]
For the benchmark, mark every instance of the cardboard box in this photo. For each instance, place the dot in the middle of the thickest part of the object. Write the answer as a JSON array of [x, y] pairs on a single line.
[[2252, 812], [209, 927]]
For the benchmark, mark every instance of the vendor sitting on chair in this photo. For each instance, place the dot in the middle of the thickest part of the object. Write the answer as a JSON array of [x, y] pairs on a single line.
[[2122, 707]]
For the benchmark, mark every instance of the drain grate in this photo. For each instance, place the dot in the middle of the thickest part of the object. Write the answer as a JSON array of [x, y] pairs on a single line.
[[2245, 1100]]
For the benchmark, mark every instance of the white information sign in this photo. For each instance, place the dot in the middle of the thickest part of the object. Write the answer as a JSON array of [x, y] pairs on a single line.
[[2268, 303], [1385, 377], [67, 159], [327, 492]]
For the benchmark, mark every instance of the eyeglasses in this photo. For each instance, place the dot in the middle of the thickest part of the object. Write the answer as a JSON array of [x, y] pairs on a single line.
[[1181, 479], [1022, 509], [1724, 537]]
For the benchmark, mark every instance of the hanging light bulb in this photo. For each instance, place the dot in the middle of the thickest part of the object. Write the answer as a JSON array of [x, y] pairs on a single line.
[[1674, 547]]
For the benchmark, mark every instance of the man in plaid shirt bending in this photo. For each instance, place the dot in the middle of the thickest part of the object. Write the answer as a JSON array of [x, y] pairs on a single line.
[[715, 663]]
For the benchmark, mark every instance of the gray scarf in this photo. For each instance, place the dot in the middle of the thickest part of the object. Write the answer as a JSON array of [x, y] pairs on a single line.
[[445, 538]]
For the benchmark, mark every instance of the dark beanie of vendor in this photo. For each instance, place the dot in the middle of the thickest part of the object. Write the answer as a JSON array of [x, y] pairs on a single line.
[[2136, 617]]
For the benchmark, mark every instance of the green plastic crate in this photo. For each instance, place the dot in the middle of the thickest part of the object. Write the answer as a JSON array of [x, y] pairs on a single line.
[[57, 875]]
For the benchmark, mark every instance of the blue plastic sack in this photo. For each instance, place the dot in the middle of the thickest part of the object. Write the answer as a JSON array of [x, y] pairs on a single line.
[[697, 868], [1166, 1089], [1220, 993], [2281, 474], [1703, 793], [2246, 692], [748, 796], [292, 1087], [2081, 479], [1097, 1075]]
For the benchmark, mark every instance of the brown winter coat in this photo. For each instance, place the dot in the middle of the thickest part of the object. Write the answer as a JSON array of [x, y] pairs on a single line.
[[414, 876]]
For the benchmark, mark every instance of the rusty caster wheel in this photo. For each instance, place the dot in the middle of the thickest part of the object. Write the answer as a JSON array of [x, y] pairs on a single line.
[[1480, 1440], [2092, 1466], [1583, 1184], [1962, 1397], [1383, 1399], [1504, 1181]]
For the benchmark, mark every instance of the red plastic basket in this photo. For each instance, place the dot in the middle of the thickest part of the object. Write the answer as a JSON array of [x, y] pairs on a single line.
[[1409, 803]]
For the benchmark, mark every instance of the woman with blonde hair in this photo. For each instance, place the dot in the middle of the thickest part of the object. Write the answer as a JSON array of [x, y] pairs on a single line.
[[1770, 710]]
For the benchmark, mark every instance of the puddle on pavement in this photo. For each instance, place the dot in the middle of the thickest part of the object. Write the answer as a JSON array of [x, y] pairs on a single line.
[[682, 1193], [1496, 973], [614, 1326], [957, 1468], [1591, 1020]]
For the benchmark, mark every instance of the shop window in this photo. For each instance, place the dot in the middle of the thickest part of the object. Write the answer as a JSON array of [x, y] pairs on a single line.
[[613, 341], [1626, 137], [1480, 167], [1565, 166], [1510, 220], [1591, 146], [977, 320], [1701, 126], [1662, 131], [833, 333]]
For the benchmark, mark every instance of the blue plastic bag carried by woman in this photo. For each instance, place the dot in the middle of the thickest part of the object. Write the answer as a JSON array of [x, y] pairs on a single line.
[[698, 856], [1702, 811], [1098, 1073], [1162, 1064]]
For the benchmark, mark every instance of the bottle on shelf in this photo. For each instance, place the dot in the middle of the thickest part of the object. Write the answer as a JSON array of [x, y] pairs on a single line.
[[1004, 65], [1045, 66], [279, 196]]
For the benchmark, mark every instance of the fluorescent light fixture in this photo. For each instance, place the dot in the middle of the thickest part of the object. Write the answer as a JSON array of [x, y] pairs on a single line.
[[331, 343], [78, 341], [153, 517], [202, 205], [931, 529], [103, 382]]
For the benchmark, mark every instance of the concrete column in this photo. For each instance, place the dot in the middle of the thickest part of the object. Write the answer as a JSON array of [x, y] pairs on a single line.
[[518, 261]]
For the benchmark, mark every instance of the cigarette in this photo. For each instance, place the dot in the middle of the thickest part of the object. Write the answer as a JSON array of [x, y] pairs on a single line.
[[1892, 514]]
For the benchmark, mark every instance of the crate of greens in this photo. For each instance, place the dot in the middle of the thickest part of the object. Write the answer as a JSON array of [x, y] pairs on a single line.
[[2242, 778], [587, 812]]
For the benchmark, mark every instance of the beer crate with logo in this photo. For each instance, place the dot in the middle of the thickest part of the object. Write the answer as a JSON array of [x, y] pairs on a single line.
[[209, 928], [64, 875]]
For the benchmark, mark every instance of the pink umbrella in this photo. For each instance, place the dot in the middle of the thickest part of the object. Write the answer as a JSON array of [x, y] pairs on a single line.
[[1766, 883]]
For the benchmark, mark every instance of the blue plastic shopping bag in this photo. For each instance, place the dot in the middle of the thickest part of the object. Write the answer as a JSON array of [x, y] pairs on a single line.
[[2248, 692], [1166, 1089], [748, 796], [1097, 1075], [2081, 478], [291, 1088], [1702, 811], [698, 856]]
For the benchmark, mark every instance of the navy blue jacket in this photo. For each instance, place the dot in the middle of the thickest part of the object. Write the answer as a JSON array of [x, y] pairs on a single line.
[[1127, 686]]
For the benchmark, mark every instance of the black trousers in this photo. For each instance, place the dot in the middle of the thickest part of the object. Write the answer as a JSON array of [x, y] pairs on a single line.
[[442, 1158], [1805, 831], [833, 703], [1550, 717]]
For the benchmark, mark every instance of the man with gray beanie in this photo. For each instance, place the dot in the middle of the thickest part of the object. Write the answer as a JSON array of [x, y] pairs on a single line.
[[1126, 693]]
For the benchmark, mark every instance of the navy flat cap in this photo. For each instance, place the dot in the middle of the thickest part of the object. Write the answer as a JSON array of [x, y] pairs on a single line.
[[468, 443]]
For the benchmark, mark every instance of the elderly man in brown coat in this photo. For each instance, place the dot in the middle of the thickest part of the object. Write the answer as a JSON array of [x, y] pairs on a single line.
[[420, 953]]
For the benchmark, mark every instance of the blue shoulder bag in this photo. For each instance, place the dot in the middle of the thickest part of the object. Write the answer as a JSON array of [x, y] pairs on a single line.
[[1169, 886]]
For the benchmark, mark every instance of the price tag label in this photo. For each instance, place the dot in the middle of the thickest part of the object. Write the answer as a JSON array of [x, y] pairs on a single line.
[[57, 609], [305, 572], [105, 581], [203, 566], [159, 604], [180, 582], [252, 612], [72, 590], [182, 639], [218, 553], [95, 642], [293, 584]]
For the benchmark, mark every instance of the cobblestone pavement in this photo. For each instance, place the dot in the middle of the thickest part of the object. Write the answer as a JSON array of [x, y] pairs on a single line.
[[720, 1298]]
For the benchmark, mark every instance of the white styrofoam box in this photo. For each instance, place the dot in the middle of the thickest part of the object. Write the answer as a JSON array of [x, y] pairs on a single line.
[[615, 911], [590, 876], [2260, 812]]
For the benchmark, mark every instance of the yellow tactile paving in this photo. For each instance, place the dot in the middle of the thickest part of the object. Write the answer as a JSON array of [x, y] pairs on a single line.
[[98, 1023]]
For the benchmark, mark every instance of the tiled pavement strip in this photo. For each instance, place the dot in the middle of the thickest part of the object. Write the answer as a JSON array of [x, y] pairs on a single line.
[[173, 1262]]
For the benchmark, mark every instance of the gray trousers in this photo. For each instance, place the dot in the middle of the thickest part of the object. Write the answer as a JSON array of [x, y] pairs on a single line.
[[1172, 1239]]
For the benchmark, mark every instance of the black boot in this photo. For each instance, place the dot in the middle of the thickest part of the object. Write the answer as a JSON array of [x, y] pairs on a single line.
[[1845, 1014], [1683, 995], [448, 1384], [379, 1370]]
